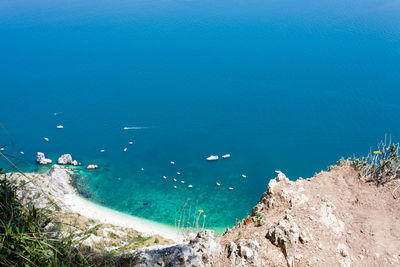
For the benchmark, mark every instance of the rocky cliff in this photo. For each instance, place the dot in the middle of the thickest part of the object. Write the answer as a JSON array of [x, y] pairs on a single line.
[[332, 219]]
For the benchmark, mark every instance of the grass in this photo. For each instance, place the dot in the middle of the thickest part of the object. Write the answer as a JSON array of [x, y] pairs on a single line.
[[30, 236]]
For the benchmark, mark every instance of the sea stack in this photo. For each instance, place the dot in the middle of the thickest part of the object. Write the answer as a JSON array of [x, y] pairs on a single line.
[[66, 159], [41, 159]]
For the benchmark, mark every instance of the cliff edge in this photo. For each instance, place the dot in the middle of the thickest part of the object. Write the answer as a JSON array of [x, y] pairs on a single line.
[[332, 219]]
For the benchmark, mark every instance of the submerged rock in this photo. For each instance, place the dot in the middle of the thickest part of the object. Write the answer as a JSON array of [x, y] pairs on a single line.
[[41, 159]]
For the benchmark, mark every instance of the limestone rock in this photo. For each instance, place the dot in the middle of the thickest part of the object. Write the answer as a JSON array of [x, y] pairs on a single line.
[[285, 234], [245, 253], [66, 159], [41, 159], [199, 252], [92, 167]]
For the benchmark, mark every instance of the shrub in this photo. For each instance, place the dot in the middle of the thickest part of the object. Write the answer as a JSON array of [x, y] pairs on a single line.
[[259, 218], [381, 165]]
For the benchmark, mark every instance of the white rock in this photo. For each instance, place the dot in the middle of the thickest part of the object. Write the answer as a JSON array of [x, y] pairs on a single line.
[[92, 166], [65, 159], [41, 159], [281, 176]]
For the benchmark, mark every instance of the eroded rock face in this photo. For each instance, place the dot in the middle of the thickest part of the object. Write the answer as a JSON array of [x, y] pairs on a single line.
[[41, 159], [244, 253], [200, 251], [285, 234]]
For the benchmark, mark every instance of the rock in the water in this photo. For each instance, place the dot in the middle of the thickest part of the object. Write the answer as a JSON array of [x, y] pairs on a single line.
[[66, 159], [92, 167], [41, 159]]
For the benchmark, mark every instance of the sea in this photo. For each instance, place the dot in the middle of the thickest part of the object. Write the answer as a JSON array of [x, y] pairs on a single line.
[[289, 85]]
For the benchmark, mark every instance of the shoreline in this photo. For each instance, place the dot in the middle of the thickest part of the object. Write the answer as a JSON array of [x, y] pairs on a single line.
[[89, 209], [56, 184]]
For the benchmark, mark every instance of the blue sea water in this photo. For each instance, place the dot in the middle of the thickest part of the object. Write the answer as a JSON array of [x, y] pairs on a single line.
[[288, 85]]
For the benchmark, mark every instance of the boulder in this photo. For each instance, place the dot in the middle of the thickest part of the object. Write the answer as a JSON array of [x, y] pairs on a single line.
[[243, 254], [92, 167], [200, 251], [285, 234], [41, 159]]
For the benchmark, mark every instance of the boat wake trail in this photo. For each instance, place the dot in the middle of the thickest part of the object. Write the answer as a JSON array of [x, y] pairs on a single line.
[[136, 128]]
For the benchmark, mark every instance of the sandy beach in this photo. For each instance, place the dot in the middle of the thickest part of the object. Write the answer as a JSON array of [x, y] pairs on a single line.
[[94, 211], [56, 184]]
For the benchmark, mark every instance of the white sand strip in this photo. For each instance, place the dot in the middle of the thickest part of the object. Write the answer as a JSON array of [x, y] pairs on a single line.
[[94, 211]]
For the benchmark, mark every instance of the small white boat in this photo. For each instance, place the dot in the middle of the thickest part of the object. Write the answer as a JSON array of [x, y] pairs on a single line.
[[218, 184], [165, 177], [102, 150], [190, 186], [172, 162], [174, 180], [175, 187], [125, 149], [126, 128], [46, 139], [182, 182], [178, 173], [212, 157], [142, 169], [226, 156], [244, 176], [22, 152], [131, 143], [60, 127], [230, 188]]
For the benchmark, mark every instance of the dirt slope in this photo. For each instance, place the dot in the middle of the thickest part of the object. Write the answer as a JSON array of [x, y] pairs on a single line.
[[332, 219]]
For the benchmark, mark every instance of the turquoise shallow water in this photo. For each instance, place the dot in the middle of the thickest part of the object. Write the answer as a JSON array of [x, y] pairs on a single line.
[[288, 85]]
